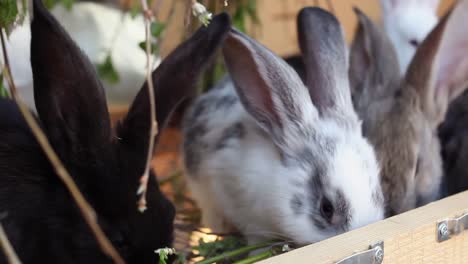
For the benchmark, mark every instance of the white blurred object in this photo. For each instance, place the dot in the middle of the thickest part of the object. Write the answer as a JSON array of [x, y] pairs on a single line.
[[18, 50], [96, 28], [407, 23]]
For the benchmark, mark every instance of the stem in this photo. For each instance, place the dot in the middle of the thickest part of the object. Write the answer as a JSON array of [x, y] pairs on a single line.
[[253, 259], [5, 244], [236, 252], [85, 208], [154, 125]]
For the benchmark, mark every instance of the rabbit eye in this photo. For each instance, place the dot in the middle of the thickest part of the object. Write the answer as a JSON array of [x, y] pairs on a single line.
[[326, 209], [414, 42]]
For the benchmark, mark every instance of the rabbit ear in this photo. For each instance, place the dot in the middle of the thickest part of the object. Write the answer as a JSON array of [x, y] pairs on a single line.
[[388, 5], [439, 70], [323, 47], [174, 80], [373, 60], [270, 90], [69, 97]]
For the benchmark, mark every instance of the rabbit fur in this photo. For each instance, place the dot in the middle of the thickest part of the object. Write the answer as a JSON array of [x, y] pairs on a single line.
[[401, 115], [407, 23], [42, 221], [270, 156]]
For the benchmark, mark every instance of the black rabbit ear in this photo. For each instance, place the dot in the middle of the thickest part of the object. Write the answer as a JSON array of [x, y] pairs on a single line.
[[174, 80], [69, 97]]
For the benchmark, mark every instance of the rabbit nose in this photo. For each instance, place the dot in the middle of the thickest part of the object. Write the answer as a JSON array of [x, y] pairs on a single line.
[[338, 220]]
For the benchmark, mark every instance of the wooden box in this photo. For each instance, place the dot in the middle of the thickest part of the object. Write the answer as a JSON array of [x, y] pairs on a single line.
[[409, 238]]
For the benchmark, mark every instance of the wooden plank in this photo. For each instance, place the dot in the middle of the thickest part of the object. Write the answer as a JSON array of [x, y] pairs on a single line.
[[408, 238], [278, 21]]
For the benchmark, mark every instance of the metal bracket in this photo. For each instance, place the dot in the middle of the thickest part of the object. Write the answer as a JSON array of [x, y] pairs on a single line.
[[450, 227], [374, 255]]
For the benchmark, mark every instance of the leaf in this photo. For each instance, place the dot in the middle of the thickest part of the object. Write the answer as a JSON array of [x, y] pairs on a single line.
[[107, 71], [162, 257], [135, 10], [49, 3], [3, 90], [238, 19], [182, 258], [8, 12], [251, 10], [68, 4], [157, 28], [154, 47], [211, 249]]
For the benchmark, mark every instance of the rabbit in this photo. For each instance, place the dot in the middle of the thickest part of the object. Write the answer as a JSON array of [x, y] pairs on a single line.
[[271, 157], [401, 114], [42, 221], [454, 146], [407, 23], [95, 28]]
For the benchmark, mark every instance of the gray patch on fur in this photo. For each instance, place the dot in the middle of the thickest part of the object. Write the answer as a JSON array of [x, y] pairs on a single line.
[[194, 146], [195, 125], [297, 203], [236, 131], [342, 208], [377, 198], [209, 103], [226, 101], [318, 186], [308, 157]]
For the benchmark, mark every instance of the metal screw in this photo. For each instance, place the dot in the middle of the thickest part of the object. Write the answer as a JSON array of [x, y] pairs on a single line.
[[379, 254], [443, 230]]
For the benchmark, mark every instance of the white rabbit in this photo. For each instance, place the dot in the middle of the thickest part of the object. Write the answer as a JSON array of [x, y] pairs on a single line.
[[272, 157], [93, 27], [407, 23]]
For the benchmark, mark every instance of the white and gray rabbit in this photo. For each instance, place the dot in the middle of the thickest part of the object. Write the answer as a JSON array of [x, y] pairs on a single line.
[[273, 157], [407, 23]]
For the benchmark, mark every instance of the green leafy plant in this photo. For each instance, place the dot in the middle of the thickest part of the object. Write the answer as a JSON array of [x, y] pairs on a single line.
[[107, 71], [8, 12], [68, 4], [3, 90], [157, 29], [164, 254]]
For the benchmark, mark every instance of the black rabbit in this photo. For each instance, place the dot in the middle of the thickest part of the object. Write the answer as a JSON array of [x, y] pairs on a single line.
[[42, 221]]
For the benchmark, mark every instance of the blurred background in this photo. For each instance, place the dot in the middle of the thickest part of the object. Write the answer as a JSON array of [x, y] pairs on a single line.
[[276, 27]]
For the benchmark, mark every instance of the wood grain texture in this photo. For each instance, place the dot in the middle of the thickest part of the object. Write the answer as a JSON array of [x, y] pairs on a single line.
[[278, 21], [409, 238]]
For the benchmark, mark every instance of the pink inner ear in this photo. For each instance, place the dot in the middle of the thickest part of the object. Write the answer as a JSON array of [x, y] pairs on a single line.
[[451, 68], [452, 76]]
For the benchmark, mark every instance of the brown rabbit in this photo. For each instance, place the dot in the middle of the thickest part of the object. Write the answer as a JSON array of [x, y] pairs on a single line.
[[401, 115]]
